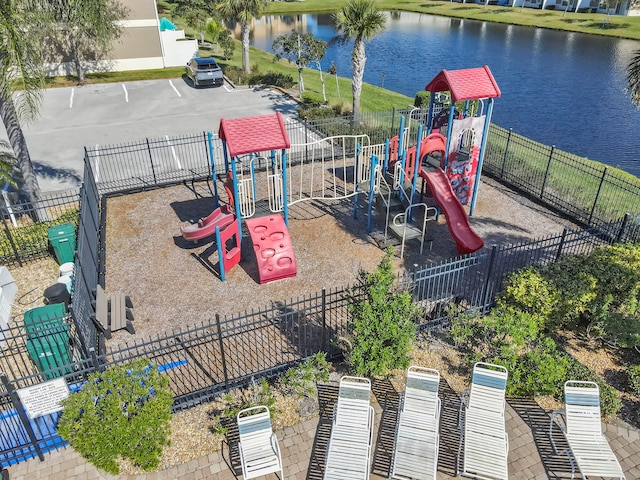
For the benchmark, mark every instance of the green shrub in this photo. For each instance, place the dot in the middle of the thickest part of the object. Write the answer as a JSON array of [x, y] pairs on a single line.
[[258, 393], [123, 412], [422, 99], [536, 372], [272, 78], [302, 380], [528, 291], [633, 380], [235, 74], [381, 327]]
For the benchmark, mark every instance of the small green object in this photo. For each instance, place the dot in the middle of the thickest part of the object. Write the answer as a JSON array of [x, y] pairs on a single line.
[[63, 240], [48, 339]]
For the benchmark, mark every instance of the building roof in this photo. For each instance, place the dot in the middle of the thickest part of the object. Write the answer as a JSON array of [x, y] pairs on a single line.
[[254, 134], [465, 84]]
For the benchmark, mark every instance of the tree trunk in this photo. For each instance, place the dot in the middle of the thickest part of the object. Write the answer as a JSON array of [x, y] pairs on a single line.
[[30, 186], [77, 62], [358, 60], [244, 28]]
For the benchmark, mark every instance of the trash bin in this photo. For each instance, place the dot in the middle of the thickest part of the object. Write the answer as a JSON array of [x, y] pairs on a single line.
[[57, 293], [48, 339], [63, 240]]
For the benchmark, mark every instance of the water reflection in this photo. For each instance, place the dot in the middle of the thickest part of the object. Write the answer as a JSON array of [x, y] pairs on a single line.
[[559, 88]]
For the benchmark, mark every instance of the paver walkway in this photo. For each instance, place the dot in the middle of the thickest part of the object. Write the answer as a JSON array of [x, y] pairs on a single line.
[[303, 449]]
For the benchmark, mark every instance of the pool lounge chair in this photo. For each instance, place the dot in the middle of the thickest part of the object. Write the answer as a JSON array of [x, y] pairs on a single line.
[[258, 445], [349, 447], [483, 429], [415, 454], [582, 427]]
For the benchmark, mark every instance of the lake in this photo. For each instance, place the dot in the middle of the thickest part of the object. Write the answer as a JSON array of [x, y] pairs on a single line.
[[559, 88]]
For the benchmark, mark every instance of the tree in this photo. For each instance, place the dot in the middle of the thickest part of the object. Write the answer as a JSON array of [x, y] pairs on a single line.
[[360, 20], [242, 12], [7, 164], [333, 70], [86, 29], [301, 49], [633, 78], [381, 327], [197, 14], [22, 71]]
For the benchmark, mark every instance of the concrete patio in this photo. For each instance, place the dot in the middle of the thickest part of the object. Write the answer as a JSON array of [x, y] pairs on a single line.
[[303, 447]]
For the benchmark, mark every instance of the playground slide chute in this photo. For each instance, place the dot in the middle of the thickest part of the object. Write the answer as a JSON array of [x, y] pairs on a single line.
[[466, 239], [220, 217]]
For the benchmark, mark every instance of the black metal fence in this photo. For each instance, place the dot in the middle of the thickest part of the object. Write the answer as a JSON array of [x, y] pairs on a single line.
[[586, 191], [23, 237]]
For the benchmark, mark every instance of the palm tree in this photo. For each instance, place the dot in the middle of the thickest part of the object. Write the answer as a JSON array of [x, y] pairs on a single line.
[[633, 78], [360, 20], [21, 82], [242, 12]]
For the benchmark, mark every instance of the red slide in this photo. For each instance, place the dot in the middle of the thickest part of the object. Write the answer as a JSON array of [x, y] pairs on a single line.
[[220, 217], [466, 239]]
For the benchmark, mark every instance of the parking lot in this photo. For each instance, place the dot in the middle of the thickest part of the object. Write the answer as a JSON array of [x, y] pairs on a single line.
[[105, 114]]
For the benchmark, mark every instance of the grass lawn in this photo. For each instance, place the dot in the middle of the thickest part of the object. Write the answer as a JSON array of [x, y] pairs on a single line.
[[616, 26]]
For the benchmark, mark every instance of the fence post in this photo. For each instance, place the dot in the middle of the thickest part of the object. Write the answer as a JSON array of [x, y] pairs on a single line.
[[153, 170], [393, 121], [95, 360], [506, 152], [306, 141], [562, 238], [492, 261], [324, 319], [623, 228], [13, 245], [546, 173], [222, 355], [595, 202], [22, 415]]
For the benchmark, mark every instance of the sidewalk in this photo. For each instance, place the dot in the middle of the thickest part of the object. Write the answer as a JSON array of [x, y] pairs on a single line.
[[303, 449]]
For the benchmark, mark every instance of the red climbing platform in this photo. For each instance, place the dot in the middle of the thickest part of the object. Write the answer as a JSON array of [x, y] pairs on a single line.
[[272, 244]]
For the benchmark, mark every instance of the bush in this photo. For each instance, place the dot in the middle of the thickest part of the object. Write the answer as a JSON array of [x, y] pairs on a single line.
[[422, 99], [633, 380], [528, 291], [302, 381], [123, 412], [271, 78], [382, 326]]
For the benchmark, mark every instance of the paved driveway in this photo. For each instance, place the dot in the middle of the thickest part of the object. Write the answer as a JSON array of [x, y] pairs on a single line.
[[90, 115]]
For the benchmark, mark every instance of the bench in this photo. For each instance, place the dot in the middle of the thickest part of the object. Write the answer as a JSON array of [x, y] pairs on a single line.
[[113, 312]]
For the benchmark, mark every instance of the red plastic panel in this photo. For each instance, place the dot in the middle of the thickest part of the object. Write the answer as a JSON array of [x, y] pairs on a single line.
[[272, 244], [465, 84], [254, 134], [231, 255]]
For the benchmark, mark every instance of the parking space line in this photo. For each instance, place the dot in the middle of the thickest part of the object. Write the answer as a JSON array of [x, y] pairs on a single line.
[[174, 88], [231, 90], [173, 152], [73, 91], [126, 94]]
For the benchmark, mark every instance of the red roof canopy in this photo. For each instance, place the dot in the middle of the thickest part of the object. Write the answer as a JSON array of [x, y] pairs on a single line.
[[254, 134], [466, 84]]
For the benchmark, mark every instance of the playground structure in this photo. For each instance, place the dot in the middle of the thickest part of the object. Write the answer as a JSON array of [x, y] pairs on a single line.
[[348, 166]]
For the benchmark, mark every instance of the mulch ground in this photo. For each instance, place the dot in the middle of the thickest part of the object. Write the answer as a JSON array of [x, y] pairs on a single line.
[[175, 284]]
